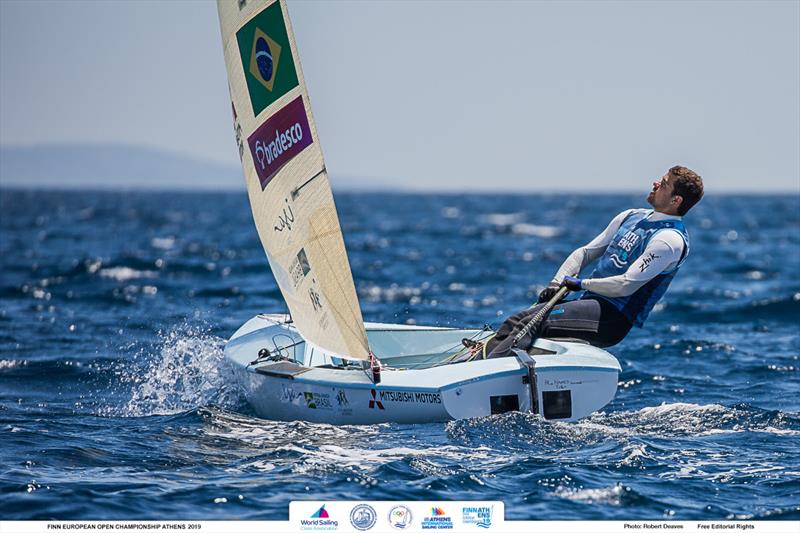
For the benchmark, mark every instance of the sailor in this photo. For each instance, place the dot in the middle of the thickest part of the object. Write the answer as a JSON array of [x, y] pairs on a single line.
[[639, 254]]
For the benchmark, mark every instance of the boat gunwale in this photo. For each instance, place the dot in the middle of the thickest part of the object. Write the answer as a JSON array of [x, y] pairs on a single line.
[[386, 386]]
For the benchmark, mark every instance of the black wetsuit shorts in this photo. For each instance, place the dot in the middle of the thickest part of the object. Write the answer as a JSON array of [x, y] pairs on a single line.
[[596, 321]]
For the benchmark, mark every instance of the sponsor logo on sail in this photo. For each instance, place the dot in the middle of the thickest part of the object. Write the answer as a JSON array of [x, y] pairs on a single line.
[[300, 267], [316, 301], [477, 516], [438, 519], [400, 517], [363, 517], [319, 521], [266, 58], [286, 218], [279, 139]]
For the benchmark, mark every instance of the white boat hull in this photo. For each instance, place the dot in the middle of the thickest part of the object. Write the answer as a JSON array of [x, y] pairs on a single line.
[[571, 379]]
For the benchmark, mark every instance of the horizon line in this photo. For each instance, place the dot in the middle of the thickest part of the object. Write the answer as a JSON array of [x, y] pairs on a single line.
[[211, 189]]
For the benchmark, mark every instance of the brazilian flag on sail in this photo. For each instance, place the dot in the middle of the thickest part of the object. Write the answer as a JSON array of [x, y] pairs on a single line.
[[266, 57]]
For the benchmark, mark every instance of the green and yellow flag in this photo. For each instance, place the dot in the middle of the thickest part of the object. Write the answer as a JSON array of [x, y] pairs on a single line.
[[266, 58]]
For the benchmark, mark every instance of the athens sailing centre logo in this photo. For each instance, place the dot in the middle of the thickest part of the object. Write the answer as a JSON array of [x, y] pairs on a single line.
[[438, 519], [266, 57]]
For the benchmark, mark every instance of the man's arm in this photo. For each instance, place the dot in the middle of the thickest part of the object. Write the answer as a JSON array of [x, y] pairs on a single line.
[[662, 253], [584, 255]]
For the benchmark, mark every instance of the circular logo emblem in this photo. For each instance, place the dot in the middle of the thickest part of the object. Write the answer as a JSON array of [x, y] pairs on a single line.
[[264, 59], [363, 517], [400, 517]]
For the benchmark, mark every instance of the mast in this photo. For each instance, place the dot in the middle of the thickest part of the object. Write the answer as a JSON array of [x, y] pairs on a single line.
[[287, 182]]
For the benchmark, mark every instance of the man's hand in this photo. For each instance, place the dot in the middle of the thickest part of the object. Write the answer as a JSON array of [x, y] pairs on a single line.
[[573, 284], [547, 294]]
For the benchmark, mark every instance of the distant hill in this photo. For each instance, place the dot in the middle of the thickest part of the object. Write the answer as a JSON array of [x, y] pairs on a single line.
[[111, 167]]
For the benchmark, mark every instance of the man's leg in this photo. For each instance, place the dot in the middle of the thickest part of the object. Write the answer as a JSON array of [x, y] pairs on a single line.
[[595, 321], [513, 324]]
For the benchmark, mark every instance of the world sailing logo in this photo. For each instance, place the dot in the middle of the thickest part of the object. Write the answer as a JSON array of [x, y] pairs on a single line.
[[266, 57], [279, 139], [319, 521]]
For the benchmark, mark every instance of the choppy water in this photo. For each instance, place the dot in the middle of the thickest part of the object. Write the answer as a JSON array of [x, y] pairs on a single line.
[[114, 402]]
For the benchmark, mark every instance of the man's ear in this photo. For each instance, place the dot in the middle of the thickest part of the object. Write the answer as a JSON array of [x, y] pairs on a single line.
[[677, 200]]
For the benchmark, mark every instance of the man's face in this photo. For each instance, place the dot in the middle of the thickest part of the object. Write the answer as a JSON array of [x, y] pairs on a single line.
[[661, 197]]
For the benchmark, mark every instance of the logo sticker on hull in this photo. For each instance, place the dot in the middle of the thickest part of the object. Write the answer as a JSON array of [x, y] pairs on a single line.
[[316, 400], [374, 402]]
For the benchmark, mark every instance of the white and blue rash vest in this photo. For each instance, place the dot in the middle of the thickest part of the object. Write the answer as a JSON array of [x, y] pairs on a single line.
[[627, 245]]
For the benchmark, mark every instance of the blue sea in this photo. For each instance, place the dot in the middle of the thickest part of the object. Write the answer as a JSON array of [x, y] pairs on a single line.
[[115, 402]]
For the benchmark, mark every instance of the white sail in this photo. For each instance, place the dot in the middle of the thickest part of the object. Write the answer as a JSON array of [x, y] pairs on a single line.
[[287, 183]]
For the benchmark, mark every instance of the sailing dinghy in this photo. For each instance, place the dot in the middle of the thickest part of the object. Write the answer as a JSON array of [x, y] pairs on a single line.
[[324, 364]]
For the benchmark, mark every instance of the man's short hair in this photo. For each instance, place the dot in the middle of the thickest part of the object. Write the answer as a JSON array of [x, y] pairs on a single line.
[[688, 185]]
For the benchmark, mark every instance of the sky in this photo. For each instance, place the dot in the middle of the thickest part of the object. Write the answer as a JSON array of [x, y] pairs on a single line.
[[460, 96]]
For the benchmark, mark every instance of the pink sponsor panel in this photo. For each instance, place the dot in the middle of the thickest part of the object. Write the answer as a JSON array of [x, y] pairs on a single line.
[[279, 139]]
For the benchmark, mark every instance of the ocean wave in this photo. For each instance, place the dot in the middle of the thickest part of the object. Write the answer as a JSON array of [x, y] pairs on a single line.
[[687, 419], [503, 219], [780, 308], [524, 431], [535, 230], [126, 273], [615, 495], [7, 364], [187, 372], [678, 434]]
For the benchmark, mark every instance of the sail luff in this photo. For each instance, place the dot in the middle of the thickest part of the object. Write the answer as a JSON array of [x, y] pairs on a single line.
[[287, 182]]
